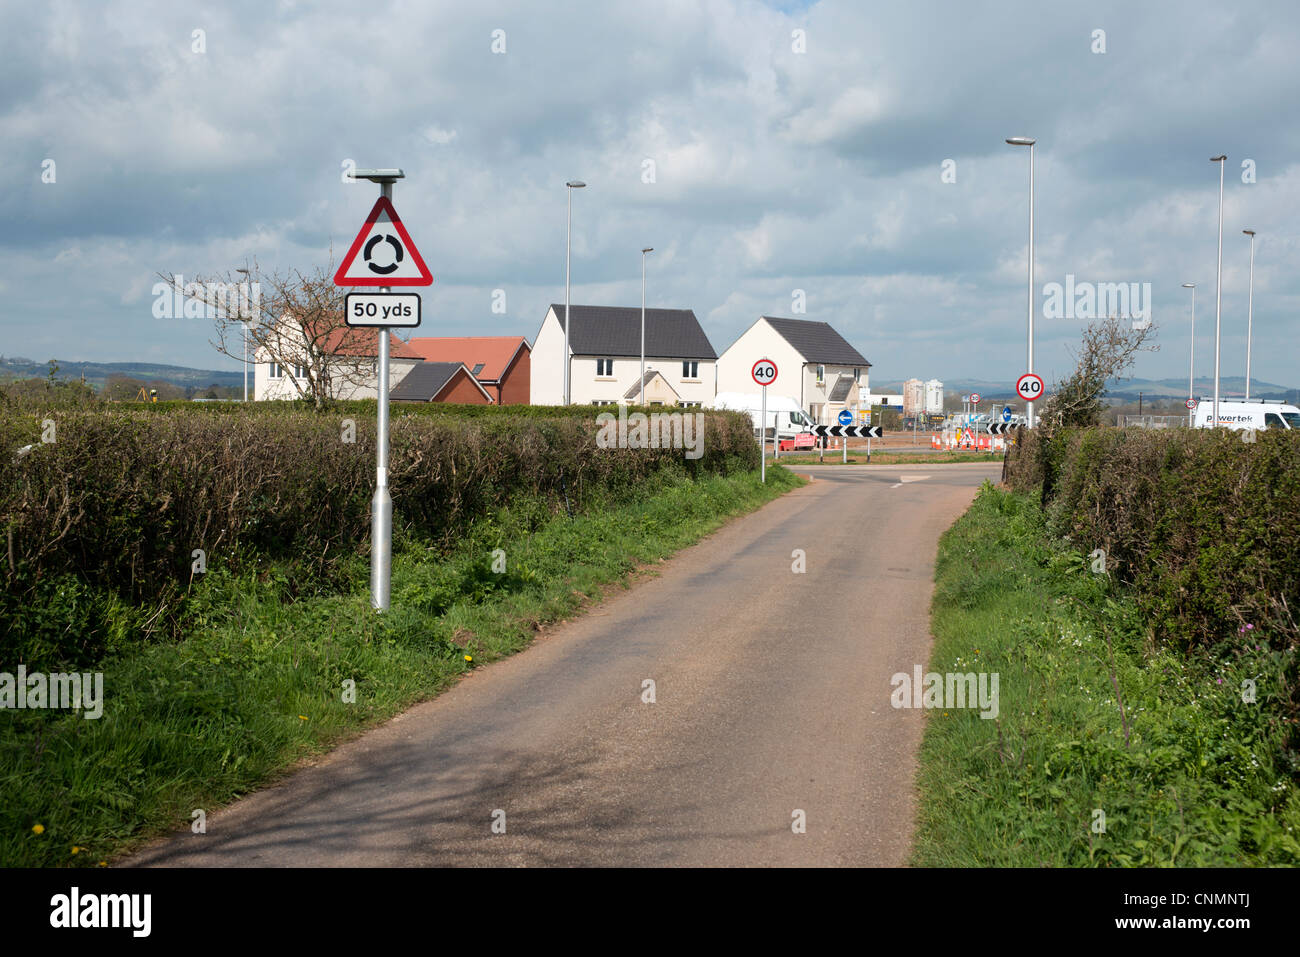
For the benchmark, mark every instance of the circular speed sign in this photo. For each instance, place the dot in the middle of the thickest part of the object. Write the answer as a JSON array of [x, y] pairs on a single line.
[[764, 372], [1029, 387], [975, 397], [1190, 404]]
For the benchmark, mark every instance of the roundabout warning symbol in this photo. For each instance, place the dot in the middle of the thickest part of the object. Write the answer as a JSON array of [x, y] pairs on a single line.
[[383, 254]]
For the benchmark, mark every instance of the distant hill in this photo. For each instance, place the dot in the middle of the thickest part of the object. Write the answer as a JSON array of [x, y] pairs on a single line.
[[1230, 386], [97, 373]]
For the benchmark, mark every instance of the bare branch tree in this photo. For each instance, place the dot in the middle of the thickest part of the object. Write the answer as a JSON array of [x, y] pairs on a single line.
[[1108, 349], [292, 319]]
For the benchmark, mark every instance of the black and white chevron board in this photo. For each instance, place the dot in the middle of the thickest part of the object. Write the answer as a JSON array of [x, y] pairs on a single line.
[[847, 431]]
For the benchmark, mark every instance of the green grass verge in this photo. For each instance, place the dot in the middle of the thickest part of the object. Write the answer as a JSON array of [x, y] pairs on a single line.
[[1186, 774], [259, 682]]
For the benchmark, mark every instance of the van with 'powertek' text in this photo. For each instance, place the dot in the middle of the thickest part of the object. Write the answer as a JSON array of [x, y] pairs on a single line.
[[1257, 414]]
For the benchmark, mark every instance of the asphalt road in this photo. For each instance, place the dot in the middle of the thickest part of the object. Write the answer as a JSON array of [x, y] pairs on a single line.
[[771, 696]]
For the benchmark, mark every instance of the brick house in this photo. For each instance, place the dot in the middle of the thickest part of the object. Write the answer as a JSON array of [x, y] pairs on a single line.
[[501, 364], [440, 382]]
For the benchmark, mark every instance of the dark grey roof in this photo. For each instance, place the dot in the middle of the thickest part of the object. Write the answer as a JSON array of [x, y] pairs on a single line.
[[424, 382], [818, 342], [649, 374], [840, 391], [616, 331]]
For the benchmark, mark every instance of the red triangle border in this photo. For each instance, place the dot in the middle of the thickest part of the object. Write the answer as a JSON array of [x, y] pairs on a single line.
[[383, 205]]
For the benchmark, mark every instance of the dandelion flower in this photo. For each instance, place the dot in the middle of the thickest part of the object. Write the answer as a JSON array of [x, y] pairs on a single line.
[[38, 828], [302, 717], [75, 849], [468, 658]]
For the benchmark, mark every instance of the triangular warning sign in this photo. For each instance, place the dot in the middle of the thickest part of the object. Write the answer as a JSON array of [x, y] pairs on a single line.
[[383, 254]]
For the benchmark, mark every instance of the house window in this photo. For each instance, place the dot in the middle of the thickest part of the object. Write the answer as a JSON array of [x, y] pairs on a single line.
[[690, 370], [604, 367], [477, 369], [821, 373], [691, 405], [300, 371], [275, 370], [857, 375]]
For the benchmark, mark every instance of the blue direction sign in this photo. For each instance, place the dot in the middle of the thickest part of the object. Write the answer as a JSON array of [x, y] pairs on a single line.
[[1006, 413], [846, 417]]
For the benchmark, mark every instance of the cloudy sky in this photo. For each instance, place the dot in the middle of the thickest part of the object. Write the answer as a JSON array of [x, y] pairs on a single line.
[[756, 159]]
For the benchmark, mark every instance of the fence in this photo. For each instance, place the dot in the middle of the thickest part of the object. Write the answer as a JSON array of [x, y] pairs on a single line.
[[1151, 421]]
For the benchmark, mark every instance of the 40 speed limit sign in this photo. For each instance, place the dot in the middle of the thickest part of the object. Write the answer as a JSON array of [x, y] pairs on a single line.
[[382, 309], [764, 372], [1029, 387]]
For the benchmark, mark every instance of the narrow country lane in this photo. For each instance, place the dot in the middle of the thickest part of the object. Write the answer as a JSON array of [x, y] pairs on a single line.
[[772, 694]]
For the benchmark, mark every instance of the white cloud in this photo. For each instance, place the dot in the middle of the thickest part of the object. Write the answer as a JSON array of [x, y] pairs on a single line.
[[774, 170], [439, 137]]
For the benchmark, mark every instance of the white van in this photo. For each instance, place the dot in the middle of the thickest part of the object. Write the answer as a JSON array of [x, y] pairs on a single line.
[[1257, 414], [783, 413]]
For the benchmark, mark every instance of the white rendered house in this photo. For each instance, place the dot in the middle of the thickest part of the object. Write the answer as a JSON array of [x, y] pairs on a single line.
[[356, 377], [816, 366], [605, 357]]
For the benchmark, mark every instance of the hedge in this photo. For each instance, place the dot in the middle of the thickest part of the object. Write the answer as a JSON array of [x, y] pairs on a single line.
[[116, 505], [1205, 525]]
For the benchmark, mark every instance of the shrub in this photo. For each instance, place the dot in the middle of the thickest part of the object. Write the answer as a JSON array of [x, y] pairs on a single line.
[[1204, 527], [124, 496]]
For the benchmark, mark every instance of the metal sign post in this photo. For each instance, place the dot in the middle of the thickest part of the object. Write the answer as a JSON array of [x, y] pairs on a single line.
[[381, 505], [386, 259], [764, 373]]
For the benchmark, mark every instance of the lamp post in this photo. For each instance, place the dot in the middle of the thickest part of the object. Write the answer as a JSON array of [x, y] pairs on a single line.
[[245, 272], [1027, 141], [1191, 363], [1250, 306], [568, 234], [647, 249], [1218, 288]]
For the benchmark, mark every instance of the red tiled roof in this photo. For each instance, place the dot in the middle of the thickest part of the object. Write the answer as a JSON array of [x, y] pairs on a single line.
[[346, 341], [494, 352]]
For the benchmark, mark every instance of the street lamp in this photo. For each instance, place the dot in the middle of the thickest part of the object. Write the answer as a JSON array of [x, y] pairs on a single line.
[[568, 233], [1191, 363], [1250, 306], [1218, 288], [245, 272], [1027, 141], [647, 249]]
